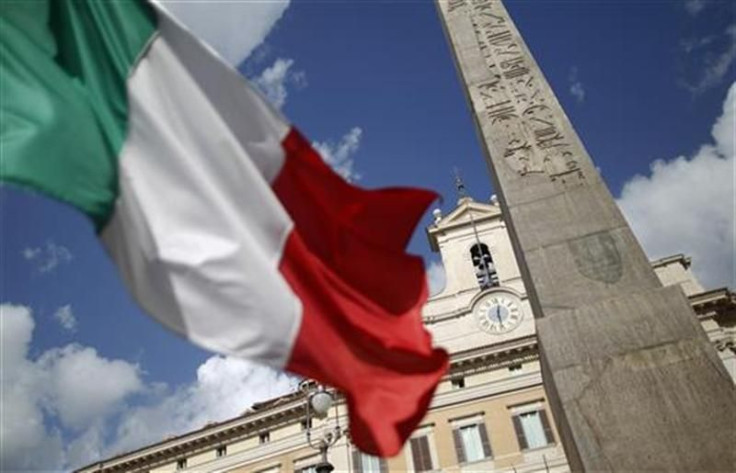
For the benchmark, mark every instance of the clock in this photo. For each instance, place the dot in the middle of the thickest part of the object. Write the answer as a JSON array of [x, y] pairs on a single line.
[[497, 313]]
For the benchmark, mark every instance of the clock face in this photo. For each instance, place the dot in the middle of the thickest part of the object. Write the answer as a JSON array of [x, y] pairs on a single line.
[[498, 314]]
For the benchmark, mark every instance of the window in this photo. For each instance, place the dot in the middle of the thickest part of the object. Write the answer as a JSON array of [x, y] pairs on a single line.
[[363, 463], [458, 383], [533, 429], [471, 443], [307, 464], [264, 437], [515, 368], [420, 454], [485, 270], [181, 463], [221, 451], [272, 469]]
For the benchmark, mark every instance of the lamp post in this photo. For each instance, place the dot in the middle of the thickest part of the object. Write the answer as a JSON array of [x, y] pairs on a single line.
[[319, 402]]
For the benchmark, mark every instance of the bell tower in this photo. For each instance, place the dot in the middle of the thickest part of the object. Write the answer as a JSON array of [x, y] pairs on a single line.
[[484, 300]]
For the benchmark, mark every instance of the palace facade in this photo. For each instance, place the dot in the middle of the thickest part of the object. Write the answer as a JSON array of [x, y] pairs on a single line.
[[489, 414]]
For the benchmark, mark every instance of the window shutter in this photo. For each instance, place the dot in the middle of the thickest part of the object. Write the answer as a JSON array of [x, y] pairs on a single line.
[[487, 453], [547, 428], [459, 450], [416, 454], [426, 455], [357, 462], [519, 433], [384, 465], [420, 454]]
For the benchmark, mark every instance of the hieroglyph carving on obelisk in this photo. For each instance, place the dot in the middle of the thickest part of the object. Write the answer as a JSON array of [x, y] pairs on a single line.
[[524, 125]]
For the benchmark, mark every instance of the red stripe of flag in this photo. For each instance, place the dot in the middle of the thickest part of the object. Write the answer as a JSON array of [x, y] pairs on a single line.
[[362, 296]]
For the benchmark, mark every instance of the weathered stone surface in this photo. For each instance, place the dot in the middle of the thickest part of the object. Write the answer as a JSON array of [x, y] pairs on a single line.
[[588, 268], [634, 383]]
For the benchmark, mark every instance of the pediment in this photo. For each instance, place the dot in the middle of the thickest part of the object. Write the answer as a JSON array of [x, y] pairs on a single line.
[[466, 211], [467, 208]]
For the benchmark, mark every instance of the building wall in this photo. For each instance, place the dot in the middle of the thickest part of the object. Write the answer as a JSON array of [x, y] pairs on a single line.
[[675, 271], [492, 377]]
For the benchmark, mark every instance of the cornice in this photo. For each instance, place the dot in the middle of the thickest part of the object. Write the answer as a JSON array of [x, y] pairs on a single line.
[[263, 452], [491, 357], [721, 298], [442, 298], [468, 307], [479, 219], [483, 391], [285, 410], [481, 212], [678, 258], [282, 410]]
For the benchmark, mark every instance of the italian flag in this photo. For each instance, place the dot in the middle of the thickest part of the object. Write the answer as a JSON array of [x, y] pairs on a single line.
[[225, 224]]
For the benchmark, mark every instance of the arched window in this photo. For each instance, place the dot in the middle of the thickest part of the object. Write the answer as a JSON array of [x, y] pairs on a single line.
[[485, 270]]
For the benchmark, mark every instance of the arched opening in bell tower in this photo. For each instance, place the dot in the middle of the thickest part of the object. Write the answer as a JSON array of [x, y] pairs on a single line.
[[485, 270]]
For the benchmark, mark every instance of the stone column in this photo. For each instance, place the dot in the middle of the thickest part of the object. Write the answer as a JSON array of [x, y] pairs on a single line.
[[633, 381]]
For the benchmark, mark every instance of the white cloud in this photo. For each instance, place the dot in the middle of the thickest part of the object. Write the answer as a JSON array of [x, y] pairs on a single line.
[[687, 205], [87, 447], [577, 91], [716, 65], [66, 318], [339, 155], [274, 79], [26, 442], [31, 253], [225, 387], [70, 406], [17, 327], [576, 86], [48, 257], [689, 45], [436, 277], [694, 7], [83, 387], [233, 29]]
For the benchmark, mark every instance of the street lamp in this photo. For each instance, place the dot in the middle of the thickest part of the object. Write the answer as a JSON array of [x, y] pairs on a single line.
[[318, 405]]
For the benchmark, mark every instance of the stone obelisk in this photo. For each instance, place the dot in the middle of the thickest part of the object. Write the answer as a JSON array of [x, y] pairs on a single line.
[[632, 379]]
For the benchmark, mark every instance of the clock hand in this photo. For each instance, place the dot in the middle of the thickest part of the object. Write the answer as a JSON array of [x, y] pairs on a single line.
[[498, 313]]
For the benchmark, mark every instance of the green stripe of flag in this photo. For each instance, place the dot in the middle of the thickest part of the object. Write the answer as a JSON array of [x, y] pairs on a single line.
[[64, 66]]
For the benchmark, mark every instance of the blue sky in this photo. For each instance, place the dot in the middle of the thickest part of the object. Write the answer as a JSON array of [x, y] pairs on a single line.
[[646, 85]]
